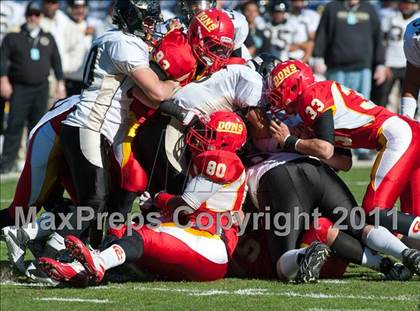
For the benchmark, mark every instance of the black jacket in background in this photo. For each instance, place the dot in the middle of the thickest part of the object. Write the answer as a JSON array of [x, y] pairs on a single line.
[[16, 62], [350, 47]]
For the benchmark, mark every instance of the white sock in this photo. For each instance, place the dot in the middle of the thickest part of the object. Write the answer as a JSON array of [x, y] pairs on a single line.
[[408, 107], [383, 241], [56, 241], [112, 257], [39, 229], [288, 263], [414, 231], [370, 259]]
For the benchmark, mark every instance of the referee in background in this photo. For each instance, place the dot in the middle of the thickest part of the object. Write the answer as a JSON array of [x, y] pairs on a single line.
[[27, 57]]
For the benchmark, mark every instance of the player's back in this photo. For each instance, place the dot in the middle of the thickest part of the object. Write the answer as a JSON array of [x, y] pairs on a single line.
[[229, 89], [104, 103], [356, 119]]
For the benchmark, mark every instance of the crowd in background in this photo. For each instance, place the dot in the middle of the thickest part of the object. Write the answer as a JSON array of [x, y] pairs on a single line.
[[357, 43]]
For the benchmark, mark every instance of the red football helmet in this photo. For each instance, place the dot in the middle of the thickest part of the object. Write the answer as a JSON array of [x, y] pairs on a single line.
[[211, 34], [223, 131], [287, 81]]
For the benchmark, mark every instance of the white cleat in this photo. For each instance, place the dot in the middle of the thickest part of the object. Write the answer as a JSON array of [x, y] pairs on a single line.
[[36, 274], [16, 242]]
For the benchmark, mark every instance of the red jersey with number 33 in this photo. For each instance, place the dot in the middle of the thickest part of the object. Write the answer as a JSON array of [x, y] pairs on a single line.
[[357, 121]]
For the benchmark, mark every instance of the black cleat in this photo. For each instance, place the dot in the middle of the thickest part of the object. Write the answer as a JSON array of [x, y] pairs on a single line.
[[411, 259], [310, 267], [394, 271]]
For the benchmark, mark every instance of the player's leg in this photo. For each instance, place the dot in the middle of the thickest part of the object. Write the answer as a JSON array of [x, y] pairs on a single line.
[[391, 172], [38, 179], [410, 197], [279, 191], [347, 249], [85, 152]]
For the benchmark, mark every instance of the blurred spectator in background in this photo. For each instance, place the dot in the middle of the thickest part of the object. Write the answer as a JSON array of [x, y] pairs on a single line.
[[260, 40], [98, 9], [287, 36], [393, 27], [78, 13], [70, 41], [12, 14], [350, 40], [102, 25], [309, 21], [26, 60], [387, 8]]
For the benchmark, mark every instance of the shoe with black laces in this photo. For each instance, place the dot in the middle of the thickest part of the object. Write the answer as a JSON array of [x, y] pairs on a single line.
[[310, 267]]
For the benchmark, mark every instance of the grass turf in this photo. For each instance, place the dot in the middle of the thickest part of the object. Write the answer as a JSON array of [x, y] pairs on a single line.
[[359, 289]]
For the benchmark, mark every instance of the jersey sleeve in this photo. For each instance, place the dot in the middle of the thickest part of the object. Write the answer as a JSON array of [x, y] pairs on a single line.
[[412, 43], [128, 55], [199, 190], [315, 101], [213, 170], [249, 86]]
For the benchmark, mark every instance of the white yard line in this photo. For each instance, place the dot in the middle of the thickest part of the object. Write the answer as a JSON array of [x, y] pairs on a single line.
[[62, 299], [238, 292]]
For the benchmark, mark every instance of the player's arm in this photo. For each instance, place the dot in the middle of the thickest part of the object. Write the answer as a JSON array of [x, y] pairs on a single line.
[[198, 191], [410, 92], [152, 87], [341, 160], [321, 147]]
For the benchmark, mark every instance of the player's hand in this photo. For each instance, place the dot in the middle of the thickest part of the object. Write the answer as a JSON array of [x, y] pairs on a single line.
[[279, 131], [60, 91], [190, 117], [6, 88], [381, 74], [145, 201]]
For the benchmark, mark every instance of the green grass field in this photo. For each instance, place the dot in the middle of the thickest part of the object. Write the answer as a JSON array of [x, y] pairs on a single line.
[[360, 289]]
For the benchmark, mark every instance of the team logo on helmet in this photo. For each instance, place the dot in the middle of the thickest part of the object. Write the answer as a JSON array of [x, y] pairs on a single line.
[[206, 21], [284, 74], [230, 127]]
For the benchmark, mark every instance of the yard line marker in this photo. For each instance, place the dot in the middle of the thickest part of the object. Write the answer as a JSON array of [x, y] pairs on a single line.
[[266, 292], [62, 299], [11, 283]]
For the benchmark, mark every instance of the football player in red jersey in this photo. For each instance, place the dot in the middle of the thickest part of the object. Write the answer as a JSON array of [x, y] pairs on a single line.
[[45, 168], [217, 189], [341, 117]]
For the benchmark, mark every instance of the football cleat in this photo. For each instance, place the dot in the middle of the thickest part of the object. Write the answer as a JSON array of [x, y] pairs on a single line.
[[73, 273], [394, 271], [310, 267], [411, 259], [35, 273], [16, 241], [81, 253]]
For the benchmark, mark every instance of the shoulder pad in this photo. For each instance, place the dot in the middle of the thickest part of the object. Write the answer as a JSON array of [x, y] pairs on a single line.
[[174, 56], [314, 101], [218, 166]]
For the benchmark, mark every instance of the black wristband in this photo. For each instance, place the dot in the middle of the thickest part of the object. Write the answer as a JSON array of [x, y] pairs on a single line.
[[290, 144]]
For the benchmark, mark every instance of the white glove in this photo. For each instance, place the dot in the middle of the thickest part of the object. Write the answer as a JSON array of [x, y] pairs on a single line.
[[145, 201]]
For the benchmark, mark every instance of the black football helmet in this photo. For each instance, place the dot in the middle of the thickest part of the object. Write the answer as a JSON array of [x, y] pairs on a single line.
[[138, 17], [264, 63], [190, 7]]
